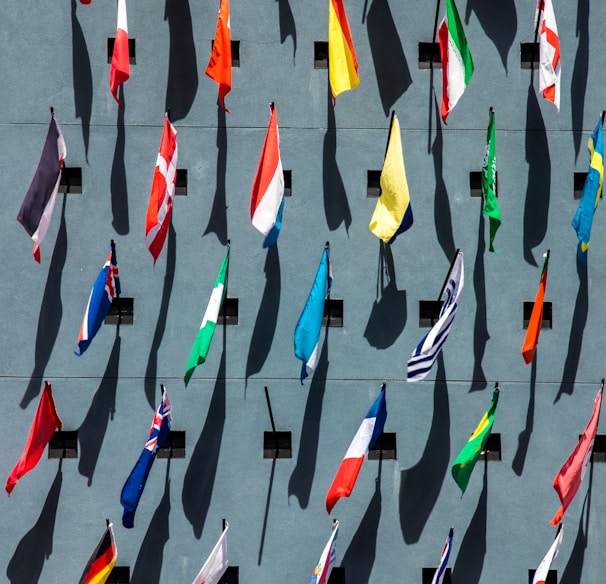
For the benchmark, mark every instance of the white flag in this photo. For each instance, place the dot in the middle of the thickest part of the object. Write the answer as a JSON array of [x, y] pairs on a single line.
[[216, 564]]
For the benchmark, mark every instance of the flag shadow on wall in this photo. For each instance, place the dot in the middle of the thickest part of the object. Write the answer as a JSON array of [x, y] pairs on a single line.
[[480, 328], [524, 437], [287, 25], [27, 562], [217, 222], [578, 85], [117, 185], [51, 312], [420, 485]]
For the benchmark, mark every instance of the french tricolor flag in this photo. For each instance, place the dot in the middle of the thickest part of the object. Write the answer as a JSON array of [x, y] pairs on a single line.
[[367, 434], [267, 196]]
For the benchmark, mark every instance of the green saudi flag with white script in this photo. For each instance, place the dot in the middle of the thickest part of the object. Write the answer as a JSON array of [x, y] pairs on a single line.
[[489, 180], [209, 322]]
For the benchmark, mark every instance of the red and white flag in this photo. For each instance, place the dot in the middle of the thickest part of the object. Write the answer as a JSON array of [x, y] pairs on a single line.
[[219, 65], [160, 206], [216, 564], [540, 574], [568, 480], [119, 71], [549, 52]]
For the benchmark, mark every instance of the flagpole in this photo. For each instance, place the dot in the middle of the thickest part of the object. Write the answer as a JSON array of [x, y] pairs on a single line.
[[536, 36], [224, 523], [271, 418], [448, 274], [112, 244]]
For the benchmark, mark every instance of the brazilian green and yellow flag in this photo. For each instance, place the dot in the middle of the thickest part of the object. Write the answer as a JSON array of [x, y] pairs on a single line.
[[489, 180], [463, 465]]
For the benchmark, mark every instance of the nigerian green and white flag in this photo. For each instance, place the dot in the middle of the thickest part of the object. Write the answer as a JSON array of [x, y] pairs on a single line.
[[209, 322], [464, 463], [489, 180]]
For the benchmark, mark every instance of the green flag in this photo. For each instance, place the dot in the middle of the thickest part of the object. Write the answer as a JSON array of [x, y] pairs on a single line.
[[209, 322], [463, 465], [489, 180]]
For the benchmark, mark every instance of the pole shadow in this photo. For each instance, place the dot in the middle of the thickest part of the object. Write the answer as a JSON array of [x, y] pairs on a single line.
[[117, 185], [217, 222], [302, 476], [51, 312], [266, 515], [524, 437], [151, 371], [420, 485], [578, 85], [36, 545], [287, 25]]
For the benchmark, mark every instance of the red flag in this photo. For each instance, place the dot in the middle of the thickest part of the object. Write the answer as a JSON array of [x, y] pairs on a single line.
[[531, 340], [568, 480], [120, 68], [160, 206], [46, 421], [219, 66]]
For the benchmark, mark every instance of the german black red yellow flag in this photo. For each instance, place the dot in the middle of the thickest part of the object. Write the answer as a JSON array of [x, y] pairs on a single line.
[[102, 561]]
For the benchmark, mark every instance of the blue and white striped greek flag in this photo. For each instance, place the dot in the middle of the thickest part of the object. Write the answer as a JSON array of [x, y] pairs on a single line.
[[427, 351]]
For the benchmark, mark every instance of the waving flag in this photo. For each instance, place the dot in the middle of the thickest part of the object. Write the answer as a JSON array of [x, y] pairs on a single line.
[[549, 52], [464, 463], [540, 574], [102, 561], [342, 62], [307, 331], [592, 191], [427, 351], [135, 483], [160, 206], [457, 64], [438, 577], [45, 422], [531, 340], [267, 195], [119, 70], [489, 180], [322, 571], [219, 65], [216, 564], [39, 202], [366, 436], [568, 481], [393, 213], [105, 289], [209, 323]]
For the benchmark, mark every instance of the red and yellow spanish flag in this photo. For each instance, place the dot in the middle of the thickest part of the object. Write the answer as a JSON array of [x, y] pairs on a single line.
[[102, 561], [342, 62], [536, 317]]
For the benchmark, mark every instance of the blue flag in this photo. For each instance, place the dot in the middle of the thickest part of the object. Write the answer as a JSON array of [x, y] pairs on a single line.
[[592, 190], [133, 488], [307, 331]]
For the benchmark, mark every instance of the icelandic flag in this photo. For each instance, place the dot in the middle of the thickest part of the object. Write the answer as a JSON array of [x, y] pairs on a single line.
[[367, 434], [135, 483], [438, 577], [307, 331], [105, 289], [267, 196], [39, 202], [328, 559]]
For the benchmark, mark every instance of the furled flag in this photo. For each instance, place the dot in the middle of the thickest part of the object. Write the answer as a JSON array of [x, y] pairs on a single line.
[[393, 213], [342, 62], [102, 561], [37, 207], [368, 432], [489, 180], [592, 191], [465, 462], [160, 206], [540, 574], [135, 483], [307, 331], [457, 64], [322, 571], [267, 195], [119, 70], [219, 65], [549, 52], [105, 289], [569, 478], [427, 351], [531, 340], [45, 422], [209, 323], [438, 577], [216, 564]]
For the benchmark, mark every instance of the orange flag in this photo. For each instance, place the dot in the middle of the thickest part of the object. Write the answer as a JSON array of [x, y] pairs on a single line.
[[219, 65], [536, 318]]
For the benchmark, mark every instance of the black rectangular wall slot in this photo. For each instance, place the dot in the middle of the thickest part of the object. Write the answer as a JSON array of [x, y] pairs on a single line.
[[278, 445], [333, 312], [598, 453], [229, 312], [181, 184], [579, 183], [121, 311], [475, 184], [384, 448], [132, 46], [337, 576], [287, 182], [373, 183], [529, 55], [63, 444], [429, 312], [492, 449], [119, 575], [231, 575], [552, 577], [427, 52], [428, 574], [547, 321], [235, 52], [173, 446], [71, 180], [321, 55]]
